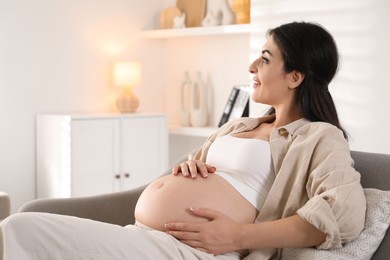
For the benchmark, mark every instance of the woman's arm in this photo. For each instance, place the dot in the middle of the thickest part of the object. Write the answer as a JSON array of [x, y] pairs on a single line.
[[221, 235], [287, 232]]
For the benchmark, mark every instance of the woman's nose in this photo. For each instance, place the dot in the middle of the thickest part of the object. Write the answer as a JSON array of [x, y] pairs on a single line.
[[253, 68]]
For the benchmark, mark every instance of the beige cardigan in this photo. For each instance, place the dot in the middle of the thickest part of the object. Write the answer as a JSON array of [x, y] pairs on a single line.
[[315, 179]]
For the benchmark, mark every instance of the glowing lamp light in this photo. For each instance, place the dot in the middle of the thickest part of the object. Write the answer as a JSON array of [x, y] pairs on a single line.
[[127, 75]]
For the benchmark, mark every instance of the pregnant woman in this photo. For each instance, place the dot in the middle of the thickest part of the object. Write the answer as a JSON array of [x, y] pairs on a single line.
[[256, 185]]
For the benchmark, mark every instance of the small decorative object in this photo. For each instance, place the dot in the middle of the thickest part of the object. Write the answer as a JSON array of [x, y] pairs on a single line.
[[194, 10], [241, 8], [199, 102], [167, 16], [237, 104], [179, 21], [218, 13], [127, 75], [185, 92]]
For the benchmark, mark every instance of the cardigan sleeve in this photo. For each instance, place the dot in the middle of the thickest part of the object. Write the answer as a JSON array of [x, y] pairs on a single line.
[[336, 204]]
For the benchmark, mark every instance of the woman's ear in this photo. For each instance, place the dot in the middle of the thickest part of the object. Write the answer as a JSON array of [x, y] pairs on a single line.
[[295, 79]]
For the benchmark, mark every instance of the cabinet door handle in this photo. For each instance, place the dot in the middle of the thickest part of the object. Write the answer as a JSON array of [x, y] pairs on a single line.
[[117, 176], [127, 175]]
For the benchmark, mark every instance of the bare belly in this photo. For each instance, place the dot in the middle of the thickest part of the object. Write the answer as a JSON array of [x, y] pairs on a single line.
[[168, 199]]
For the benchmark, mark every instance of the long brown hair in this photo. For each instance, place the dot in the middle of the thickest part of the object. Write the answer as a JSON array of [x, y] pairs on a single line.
[[311, 50]]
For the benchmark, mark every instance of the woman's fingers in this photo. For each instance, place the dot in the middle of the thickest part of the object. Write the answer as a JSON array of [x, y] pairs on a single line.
[[175, 170], [202, 169], [209, 214], [210, 169], [184, 169], [192, 168]]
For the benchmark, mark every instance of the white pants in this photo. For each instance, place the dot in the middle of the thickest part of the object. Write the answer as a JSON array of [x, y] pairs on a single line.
[[44, 236]]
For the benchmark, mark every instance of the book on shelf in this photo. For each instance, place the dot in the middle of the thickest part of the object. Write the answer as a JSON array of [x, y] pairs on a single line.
[[237, 104]]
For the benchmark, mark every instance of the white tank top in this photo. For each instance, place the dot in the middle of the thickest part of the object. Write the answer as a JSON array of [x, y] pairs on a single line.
[[246, 164]]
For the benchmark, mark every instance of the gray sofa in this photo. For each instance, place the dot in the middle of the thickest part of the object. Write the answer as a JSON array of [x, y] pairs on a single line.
[[117, 208]]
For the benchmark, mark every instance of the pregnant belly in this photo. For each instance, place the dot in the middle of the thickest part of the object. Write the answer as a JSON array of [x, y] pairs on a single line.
[[169, 198]]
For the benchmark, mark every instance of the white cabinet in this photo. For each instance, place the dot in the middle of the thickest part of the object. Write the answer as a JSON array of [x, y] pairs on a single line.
[[81, 155]]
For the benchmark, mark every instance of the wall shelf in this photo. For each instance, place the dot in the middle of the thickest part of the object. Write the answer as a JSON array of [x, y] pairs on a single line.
[[192, 131], [197, 31]]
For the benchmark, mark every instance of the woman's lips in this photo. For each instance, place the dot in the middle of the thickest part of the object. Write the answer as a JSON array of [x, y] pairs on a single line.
[[256, 82]]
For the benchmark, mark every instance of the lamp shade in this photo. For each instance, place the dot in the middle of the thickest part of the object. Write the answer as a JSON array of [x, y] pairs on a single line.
[[126, 74]]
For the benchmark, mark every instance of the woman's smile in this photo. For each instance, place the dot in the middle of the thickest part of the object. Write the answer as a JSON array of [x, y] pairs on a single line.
[[256, 82]]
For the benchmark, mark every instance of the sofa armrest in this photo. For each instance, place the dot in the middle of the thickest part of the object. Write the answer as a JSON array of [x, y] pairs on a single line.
[[115, 208], [375, 173]]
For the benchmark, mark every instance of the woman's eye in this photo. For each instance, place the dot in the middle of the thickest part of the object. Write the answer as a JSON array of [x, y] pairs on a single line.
[[264, 60]]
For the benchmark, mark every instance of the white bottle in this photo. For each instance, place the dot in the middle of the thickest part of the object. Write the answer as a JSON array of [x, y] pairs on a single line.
[[185, 93], [199, 102]]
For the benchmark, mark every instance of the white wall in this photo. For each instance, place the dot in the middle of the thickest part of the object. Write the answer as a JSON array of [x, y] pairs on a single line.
[[55, 57]]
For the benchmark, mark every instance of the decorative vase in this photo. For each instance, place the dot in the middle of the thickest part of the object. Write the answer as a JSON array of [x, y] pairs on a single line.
[[241, 9], [218, 13], [199, 102], [185, 92]]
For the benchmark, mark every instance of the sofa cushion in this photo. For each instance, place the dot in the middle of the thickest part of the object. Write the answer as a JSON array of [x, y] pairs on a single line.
[[365, 245]]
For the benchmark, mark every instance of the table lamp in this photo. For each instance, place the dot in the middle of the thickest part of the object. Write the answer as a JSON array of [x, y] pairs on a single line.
[[127, 75]]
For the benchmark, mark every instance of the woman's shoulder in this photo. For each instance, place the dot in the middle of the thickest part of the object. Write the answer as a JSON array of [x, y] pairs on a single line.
[[321, 132], [322, 128], [324, 135], [322, 140]]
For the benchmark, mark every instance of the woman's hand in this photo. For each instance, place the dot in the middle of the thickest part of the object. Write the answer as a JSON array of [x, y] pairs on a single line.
[[192, 168], [217, 236]]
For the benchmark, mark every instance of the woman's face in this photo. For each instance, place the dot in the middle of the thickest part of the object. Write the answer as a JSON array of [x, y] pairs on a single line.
[[270, 80]]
